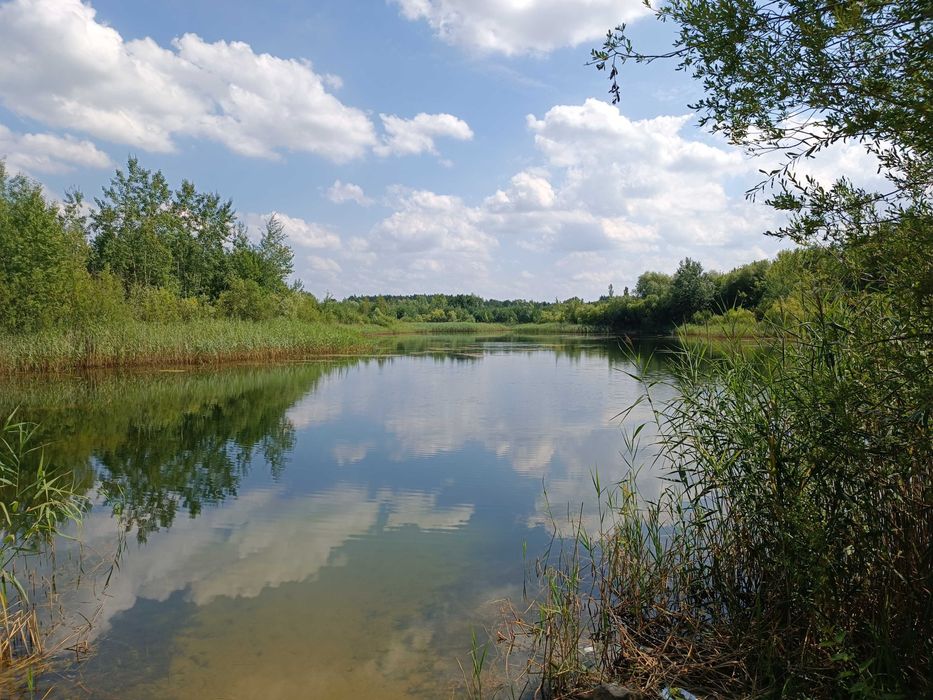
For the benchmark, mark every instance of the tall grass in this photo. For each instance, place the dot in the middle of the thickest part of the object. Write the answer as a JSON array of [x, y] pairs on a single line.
[[478, 328], [195, 342], [792, 553], [734, 323], [34, 503]]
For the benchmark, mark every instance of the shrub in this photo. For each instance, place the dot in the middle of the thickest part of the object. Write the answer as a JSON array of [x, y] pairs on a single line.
[[246, 300]]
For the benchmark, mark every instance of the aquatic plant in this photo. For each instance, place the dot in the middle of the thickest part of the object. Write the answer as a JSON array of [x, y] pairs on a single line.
[[791, 553], [204, 341], [34, 503]]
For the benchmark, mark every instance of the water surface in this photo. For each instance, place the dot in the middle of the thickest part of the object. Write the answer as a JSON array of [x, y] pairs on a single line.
[[325, 529]]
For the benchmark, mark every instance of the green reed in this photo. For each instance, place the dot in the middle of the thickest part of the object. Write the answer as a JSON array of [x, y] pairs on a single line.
[[35, 501], [789, 554], [201, 341]]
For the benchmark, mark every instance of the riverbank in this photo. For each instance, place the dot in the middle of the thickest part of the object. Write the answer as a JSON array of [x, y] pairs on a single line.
[[216, 341], [138, 343], [476, 328]]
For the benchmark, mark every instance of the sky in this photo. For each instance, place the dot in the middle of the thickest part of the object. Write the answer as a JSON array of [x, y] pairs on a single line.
[[408, 146]]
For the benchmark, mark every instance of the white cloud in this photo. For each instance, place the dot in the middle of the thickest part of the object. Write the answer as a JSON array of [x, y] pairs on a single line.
[[646, 180], [609, 198], [48, 153], [413, 136], [520, 26], [319, 264], [341, 192], [429, 222], [528, 192], [64, 68], [301, 233]]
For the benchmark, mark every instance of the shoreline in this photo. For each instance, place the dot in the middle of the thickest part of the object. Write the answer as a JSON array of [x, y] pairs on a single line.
[[218, 342]]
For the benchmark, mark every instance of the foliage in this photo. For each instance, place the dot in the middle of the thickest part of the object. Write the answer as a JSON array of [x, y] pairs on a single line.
[[142, 252], [41, 260], [35, 500], [791, 554], [246, 299], [796, 78], [268, 263]]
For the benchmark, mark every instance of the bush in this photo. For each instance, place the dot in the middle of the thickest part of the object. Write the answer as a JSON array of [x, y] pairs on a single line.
[[246, 300], [301, 306]]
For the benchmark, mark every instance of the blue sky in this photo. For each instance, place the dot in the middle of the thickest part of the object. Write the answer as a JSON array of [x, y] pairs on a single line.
[[408, 145]]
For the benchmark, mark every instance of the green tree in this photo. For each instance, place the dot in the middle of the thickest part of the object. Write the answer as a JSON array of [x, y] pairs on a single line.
[[42, 256], [201, 227], [797, 77], [267, 263], [744, 286], [131, 224], [655, 284], [692, 290]]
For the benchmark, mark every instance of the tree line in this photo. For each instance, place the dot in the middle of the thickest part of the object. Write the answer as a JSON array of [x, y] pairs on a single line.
[[143, 250]]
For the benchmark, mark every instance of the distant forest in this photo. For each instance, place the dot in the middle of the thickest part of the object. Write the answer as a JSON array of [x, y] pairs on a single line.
[[146, 252]]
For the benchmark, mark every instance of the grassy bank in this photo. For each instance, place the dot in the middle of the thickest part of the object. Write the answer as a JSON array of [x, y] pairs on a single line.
[[430, 328], [733, 324], [205, 341]]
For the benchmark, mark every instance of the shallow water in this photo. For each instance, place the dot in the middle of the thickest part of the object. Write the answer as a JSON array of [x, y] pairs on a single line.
[[327, 529]]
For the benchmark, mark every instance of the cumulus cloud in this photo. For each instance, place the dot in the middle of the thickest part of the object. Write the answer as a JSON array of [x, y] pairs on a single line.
[[528, 192], [647, 179], [413, 136], [425, 221], [145, 95], [342, 192], [520, 26], [608, 198], [301, 233], [48, 153], [321, 264]]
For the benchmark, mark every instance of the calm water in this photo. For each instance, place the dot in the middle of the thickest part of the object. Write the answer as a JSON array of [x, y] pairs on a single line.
[[327, 529]]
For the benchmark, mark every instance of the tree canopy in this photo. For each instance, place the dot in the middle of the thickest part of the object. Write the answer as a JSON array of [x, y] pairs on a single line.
[[795, 77]]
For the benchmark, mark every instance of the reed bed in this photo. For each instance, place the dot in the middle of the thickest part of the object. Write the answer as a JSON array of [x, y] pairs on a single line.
[[34, 502], [790, 554], [205, 341], [477, 328]]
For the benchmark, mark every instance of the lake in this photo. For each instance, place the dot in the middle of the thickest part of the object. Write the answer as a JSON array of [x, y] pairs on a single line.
[[324, 529]]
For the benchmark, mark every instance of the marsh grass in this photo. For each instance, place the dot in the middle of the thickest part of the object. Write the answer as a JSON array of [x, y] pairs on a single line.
[[203, 341], [478, 328], [35, 502], [789, 554], [730, 325]]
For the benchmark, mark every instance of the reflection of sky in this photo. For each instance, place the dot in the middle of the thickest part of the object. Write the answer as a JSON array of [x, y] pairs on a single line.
[[433, 450], [264, 538], [545, 417]]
